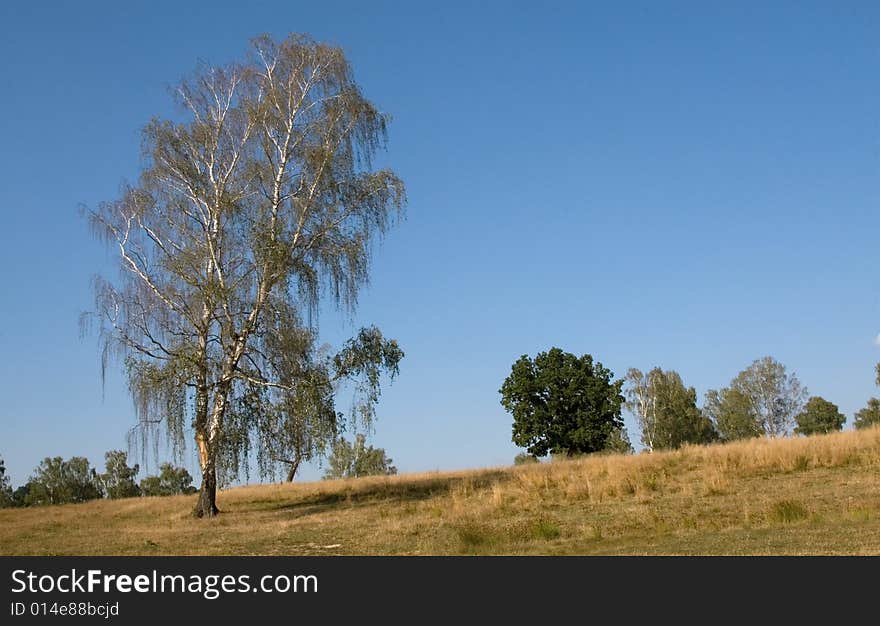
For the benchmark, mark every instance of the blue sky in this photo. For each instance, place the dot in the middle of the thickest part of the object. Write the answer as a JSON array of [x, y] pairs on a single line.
[[686, 185]]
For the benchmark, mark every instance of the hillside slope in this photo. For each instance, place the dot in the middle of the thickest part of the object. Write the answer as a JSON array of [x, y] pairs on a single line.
[[817, 495]]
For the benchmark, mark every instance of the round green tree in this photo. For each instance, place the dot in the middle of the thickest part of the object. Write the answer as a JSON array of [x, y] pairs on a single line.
[[561, 403], [819, 416], [869, 416]]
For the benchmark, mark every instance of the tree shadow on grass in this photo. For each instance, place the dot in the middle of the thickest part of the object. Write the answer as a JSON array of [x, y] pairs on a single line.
[[375, 493]]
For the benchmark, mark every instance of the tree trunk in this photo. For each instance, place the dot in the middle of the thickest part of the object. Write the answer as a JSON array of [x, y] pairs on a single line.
[[207, 503], [208, 444], [294, 466]]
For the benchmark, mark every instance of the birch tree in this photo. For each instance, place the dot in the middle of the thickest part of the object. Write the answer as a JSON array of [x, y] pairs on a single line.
[[776, 395], [118, 480], [666, 410], [249, 211], [763, 399], [356, 459], [639, 401]]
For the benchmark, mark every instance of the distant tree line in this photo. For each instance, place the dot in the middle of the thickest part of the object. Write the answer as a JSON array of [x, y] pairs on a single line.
[[564, 405], [59, 481]]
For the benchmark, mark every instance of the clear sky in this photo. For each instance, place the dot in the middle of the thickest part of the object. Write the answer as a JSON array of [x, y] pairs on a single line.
[[687, 185]]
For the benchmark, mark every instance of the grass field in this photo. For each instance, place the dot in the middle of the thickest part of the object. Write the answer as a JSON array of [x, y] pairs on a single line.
[[817, 495]]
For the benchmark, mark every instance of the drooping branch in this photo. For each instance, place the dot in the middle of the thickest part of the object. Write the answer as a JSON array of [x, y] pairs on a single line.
[[261, 200]]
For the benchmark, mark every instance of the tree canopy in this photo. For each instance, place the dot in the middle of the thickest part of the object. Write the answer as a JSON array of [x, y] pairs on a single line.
[[763, 399], [250, 210], [732, 413], [819, 416], [868, 416], [56, 481], [352, 460], [172, 480], [561, 403], [666, 410], [118, 479]]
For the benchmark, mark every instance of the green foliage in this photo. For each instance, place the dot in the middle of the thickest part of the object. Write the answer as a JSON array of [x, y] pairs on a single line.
[[303, 422], [819, 416], [254, 205], [170, 481], [349, 460], [667, 410], [152, 486], [20, 495], [731, 412], [763, 399], [118, 480], [6, 499], [56, 481], [618, 442], [775, 395], [524, 458], [561, 403], [869, 416]]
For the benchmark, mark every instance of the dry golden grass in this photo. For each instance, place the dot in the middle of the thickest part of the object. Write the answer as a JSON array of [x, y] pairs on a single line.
[[816, 495]]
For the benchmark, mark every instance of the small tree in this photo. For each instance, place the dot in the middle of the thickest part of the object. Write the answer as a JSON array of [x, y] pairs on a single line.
[[56, 481], [524, 458], [171, 481], [354, 460], [6, 498], [118, 480], [305, 423], [869, 416], [819, 416], [561, 403]]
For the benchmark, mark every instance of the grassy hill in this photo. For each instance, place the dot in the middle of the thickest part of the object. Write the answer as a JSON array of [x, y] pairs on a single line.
[[817, 495]]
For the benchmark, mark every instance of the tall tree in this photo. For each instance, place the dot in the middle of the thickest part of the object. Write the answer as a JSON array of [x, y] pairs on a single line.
[[819, 416], [118, 479], [639, 402], [246, 213], [56, 481], [868, 416], [765, 392], [352, 460], [561, 403], [666, 410]]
